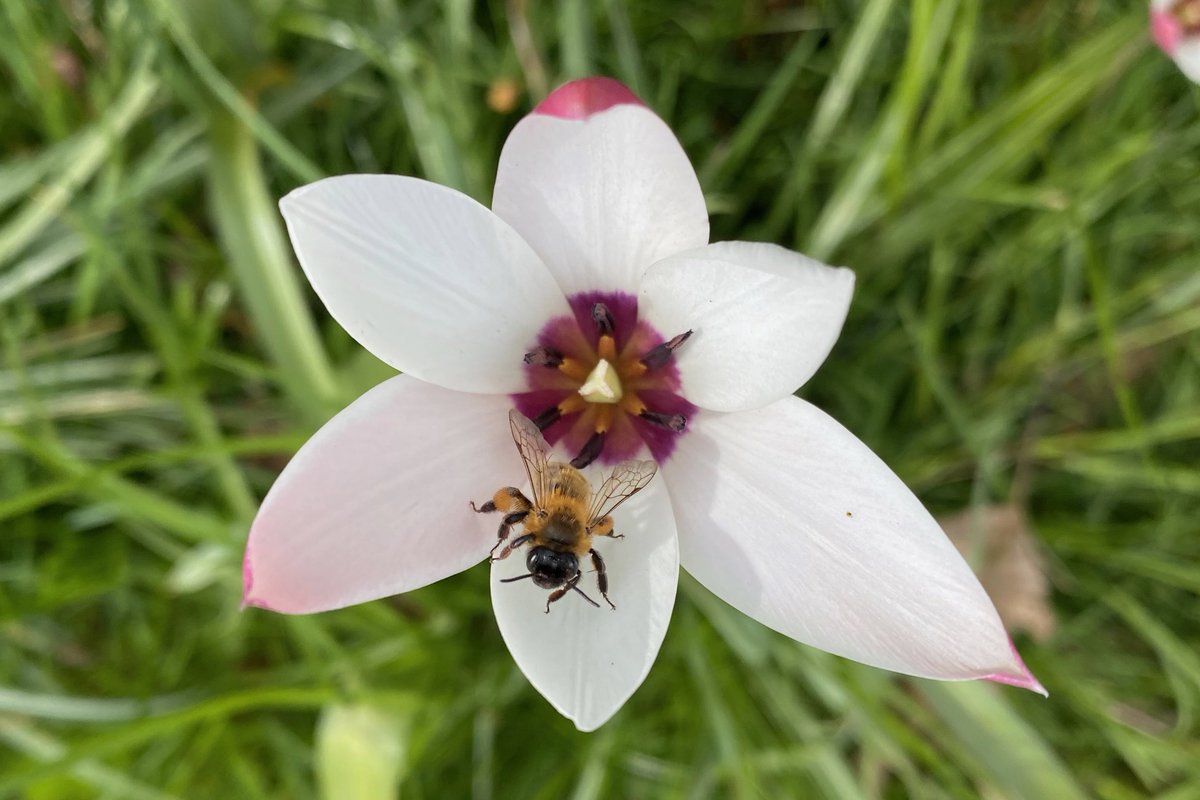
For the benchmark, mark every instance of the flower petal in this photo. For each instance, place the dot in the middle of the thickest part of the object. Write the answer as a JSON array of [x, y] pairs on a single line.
[[376, 503], [424, 277], [788, 517], [764, 319], [1165, 29], [1187, 57], [586, 96], [587, 661], [602, 198]]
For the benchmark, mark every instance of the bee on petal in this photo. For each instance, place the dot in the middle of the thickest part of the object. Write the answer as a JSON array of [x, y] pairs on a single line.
[[564, 515]]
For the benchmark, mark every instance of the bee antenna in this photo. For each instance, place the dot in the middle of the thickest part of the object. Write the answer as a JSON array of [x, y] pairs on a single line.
[[518, 578], [585, 597]]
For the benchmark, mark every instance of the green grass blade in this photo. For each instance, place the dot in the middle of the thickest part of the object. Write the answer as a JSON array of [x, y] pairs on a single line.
[[1014, 758], [251, 233]]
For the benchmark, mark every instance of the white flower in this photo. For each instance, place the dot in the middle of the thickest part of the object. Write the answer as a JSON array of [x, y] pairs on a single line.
[[598, 225], [1175, 25]]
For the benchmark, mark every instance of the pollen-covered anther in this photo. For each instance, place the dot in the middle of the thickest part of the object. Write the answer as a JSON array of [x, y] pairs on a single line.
[[547, 418], [553, 414], [602, 316], [544, 357], [590, 450], [661, 354], [672, 422], [603, 384]]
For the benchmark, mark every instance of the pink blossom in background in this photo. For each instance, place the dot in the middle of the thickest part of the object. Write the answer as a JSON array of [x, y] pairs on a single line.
[[1175, 26]]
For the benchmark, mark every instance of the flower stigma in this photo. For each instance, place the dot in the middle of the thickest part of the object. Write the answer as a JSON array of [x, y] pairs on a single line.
[[605, 383]]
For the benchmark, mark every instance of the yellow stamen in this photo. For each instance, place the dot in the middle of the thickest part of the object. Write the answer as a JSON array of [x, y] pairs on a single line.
[[633, 368], [571, 404], [573, 370], [603, 385], [607, 346], [632, 404], [604, 417]]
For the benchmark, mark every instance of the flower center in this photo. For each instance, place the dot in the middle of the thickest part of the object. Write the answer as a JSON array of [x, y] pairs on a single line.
[[605, 383], [1187, 12]]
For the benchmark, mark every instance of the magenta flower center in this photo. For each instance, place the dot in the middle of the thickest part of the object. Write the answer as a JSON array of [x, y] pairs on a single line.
[[604, 383]]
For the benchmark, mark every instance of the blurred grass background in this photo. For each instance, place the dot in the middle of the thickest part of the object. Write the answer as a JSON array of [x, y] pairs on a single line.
[[1017, 185]]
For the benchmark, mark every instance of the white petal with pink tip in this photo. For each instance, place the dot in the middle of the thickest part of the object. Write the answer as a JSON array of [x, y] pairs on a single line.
[[587, 661], [764, 319], [1187, 56], [602, 198], [376, 503], [424, 277], [789, 518]]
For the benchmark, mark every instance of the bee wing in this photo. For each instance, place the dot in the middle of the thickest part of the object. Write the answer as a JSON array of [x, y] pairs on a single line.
[[627, 479], [533, 448]]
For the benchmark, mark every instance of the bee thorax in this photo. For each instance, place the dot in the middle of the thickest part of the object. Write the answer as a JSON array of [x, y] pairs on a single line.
[[561, 530]]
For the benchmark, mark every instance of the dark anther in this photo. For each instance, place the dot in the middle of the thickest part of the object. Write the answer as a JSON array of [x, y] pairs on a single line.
[[543, 357], [657, 356], [672, 422], [603, 319], [589, 451], [547, 418]]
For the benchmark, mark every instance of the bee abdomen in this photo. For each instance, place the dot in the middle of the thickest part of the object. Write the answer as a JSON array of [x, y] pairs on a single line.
[[569, 482]]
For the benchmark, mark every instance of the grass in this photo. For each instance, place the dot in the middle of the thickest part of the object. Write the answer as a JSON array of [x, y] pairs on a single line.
[[1015, 185]]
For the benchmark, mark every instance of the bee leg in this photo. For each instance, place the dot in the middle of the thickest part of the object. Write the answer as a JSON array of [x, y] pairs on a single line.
[[508, 548], [516, 507], [507, 500], [582, 594], [573, 584], [601, 577], [506, 526], [604, 527], [558, 593]]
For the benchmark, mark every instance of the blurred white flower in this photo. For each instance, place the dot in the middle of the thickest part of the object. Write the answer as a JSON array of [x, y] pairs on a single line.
[[1175, 25]]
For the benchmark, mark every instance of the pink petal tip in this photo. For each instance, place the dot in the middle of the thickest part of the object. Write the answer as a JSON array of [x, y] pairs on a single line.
[[248, 585], [586, 96], [1165, 29], [1025, 680]]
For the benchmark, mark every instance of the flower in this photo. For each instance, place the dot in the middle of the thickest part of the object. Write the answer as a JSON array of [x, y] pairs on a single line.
[[1175, 25], [572, 300]]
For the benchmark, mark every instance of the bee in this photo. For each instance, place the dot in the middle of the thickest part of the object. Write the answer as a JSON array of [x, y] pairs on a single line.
[[563, 517]]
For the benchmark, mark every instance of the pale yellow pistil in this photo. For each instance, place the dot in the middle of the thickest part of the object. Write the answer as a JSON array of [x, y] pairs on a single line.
[[603, 384]]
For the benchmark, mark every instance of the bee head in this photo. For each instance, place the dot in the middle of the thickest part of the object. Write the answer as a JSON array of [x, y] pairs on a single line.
[[550, 568]]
